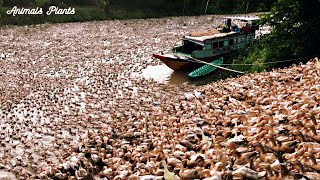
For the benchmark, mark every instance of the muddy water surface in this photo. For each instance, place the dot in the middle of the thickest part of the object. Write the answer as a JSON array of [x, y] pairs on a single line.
[[162, 73]]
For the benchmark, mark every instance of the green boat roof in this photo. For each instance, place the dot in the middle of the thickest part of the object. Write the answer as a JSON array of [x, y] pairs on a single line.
[[206, 69]]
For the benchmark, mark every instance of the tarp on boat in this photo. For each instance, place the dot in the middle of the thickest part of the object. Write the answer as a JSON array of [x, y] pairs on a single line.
[[204, 33], [242, 18], [201, 43], [203, 38]]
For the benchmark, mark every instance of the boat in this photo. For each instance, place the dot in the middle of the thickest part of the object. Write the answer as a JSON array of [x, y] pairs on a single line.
[[211, 44], [206, 69]]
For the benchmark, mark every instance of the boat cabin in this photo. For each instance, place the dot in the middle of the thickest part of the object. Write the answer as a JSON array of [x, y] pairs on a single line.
[[208, 46], [218, 43], [240, 24]]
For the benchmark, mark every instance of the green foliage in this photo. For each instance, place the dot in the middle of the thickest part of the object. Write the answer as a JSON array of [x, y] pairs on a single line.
[[240, 6], [296, 27], [10, 3], [1, 3], [295, 35], [303, 26], [244, 6], [41, 3]]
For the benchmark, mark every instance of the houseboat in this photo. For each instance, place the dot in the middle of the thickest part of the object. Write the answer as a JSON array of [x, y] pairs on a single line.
[[237, 33]]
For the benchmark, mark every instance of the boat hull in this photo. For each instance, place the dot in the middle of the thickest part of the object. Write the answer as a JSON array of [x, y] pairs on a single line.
[[179, 63], [174, 63], [206, 69]]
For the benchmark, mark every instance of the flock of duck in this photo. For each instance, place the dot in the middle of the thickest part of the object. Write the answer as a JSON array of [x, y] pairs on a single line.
[[73, 106]]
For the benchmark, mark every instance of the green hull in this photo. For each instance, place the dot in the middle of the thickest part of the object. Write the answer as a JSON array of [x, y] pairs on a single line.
[[206, 69]]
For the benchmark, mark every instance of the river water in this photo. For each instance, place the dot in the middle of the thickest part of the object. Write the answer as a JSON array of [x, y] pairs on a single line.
[[162, 73]]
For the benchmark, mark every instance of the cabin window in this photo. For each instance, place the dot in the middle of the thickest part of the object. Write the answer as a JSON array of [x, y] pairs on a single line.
[[208, 46], [239, 40], [231, 42], [220, 44], [225, 43], [189, 47], [215, 45]]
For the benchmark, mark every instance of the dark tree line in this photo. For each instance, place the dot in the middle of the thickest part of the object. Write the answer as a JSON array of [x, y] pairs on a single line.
[[241, 6], [169, 7], [125, 9], [34, 2], [195, 7]]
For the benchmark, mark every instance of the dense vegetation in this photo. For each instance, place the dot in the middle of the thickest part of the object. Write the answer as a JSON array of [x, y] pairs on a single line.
[[87, 10], [295, 35]]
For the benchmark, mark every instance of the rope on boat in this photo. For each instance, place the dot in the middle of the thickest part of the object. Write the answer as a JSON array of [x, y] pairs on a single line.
[[263, 63], [199, 61], [203, 62]]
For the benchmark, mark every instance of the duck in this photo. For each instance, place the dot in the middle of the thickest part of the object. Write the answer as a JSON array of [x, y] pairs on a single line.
[[204, 138], [300, 150], [173, 161], [189, 173], [216, 170], [264, 156], [179, 155], [299, 136], [167, 174], [245, 173], [279, 164], [288, 146], [196, 159], [134, 177], [314, 134], [245, 158], [269, 172], [314, 165], [302, 173], [317, 66]]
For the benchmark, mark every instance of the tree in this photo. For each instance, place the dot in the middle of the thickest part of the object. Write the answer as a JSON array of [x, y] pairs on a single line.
[[296, 25], [205, 11], [241, 6], [1, 2], [42, 3], [294, 34], [107, 8]]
